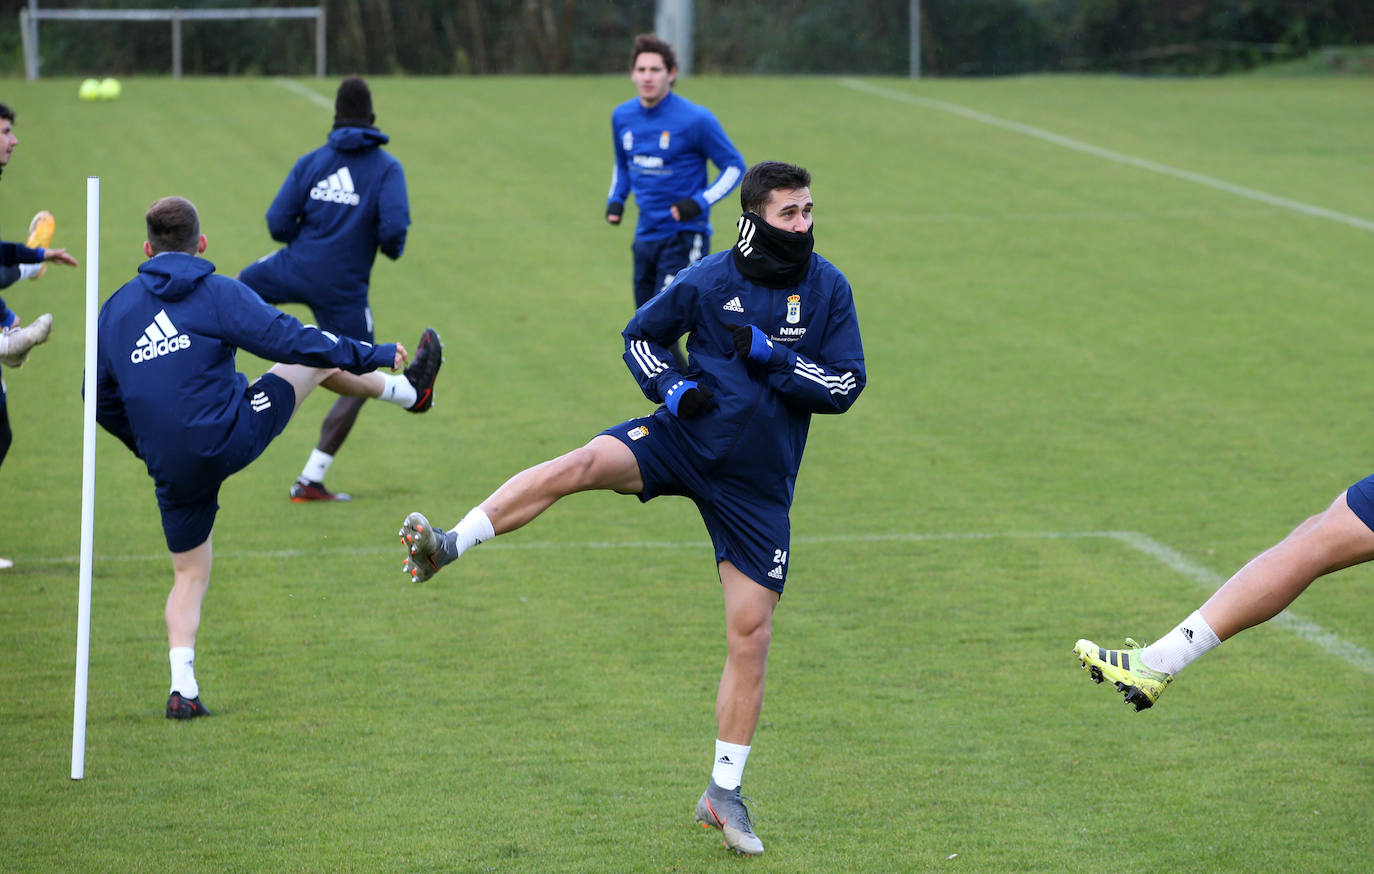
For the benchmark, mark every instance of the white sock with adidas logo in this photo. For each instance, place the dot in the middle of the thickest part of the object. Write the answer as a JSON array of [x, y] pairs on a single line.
[[1181, 647], [398, 390], [183, 660], [473, 529], [728, 770]]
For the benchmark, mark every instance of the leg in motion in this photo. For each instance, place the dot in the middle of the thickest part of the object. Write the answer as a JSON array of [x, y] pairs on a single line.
[[1334, 539], [604, 463]]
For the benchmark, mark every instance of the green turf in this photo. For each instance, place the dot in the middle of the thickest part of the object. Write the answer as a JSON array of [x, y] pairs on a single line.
[[1060, 346]]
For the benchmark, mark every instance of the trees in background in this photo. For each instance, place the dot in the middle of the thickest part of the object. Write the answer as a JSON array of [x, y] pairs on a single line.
[[959, 37]]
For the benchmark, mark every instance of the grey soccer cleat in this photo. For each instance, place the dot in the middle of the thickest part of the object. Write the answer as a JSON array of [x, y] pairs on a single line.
[[724, 809], [426, 548], [15, 343]]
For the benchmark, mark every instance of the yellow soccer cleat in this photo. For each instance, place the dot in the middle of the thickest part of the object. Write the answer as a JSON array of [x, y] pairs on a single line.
[[41, 231], [1123, 667]]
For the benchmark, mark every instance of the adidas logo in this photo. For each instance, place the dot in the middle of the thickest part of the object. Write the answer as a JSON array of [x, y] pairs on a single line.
[[1188, 633], [260, 401], [159, 338], [725, 760], [734, 306], [776, 572], [337, 187]]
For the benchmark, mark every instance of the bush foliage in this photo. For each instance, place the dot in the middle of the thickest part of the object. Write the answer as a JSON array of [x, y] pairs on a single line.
[[958, 37]]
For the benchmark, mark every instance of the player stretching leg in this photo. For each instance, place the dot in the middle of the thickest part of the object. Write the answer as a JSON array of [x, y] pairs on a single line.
[[773, 338], [1339, 537]]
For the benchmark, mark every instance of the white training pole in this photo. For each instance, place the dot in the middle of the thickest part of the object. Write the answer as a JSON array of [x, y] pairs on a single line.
[[83, 610]]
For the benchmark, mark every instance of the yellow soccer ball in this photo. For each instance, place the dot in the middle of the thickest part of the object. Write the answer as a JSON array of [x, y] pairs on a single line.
[[89, 90], [110, 89]]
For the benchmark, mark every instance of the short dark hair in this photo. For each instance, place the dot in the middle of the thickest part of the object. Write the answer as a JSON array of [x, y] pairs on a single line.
[[6, 113], [173, 226], [353, 102], [765, 177], [647, 42]]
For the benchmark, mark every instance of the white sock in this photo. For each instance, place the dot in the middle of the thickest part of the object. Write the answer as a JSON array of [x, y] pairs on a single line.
[[29, 271], [398, 390], [317, 466], [183, 660], [1181, 647], [474, 528], [728, 770]]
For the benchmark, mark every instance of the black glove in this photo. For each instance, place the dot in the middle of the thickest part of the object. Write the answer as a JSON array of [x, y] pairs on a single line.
[[743, 335], [694, 402], [687, 209], [688, 398], [614, 208]]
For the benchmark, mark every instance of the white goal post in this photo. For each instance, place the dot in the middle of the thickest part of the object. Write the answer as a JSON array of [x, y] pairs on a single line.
[[31, 16]]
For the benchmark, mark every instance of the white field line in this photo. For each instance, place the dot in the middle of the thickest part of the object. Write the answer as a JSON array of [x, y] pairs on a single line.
[[1109, 155], [1352, 654], [313, 96]]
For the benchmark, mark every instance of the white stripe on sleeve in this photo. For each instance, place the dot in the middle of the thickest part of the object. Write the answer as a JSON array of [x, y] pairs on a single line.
[[723, 185]]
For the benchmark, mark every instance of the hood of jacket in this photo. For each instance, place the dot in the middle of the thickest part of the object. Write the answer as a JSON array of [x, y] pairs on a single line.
[[353, 139], [172, 275]]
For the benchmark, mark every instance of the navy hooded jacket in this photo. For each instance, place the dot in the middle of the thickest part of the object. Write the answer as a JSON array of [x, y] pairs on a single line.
[[165, 375], [757, 425], [337, 207]]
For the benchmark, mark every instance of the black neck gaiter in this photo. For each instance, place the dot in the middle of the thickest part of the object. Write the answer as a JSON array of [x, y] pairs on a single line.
[[769, 256]]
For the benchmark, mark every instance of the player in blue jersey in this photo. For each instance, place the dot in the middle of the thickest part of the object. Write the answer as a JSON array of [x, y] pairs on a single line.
[[772, 339], [338, 207], [662, 142], [21, 262], [166, 385]]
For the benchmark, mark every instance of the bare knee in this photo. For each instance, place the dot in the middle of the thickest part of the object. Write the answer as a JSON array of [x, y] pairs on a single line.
[[749, 639]]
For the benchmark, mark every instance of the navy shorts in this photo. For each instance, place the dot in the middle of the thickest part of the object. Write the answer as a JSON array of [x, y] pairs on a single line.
[[1360, 499], [189, 505], [658, 261], [276, 285], [749, 525]]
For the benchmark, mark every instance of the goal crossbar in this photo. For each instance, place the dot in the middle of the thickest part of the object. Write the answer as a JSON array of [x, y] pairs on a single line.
[[31, 16]]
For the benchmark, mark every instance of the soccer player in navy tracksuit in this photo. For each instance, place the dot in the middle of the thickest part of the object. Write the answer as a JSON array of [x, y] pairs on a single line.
[[662, 142], [16, 341], [167, 387], [338, 207], [773, 338]]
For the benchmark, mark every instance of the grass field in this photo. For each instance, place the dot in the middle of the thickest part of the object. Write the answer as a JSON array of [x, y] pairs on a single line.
[[1111, 357]]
